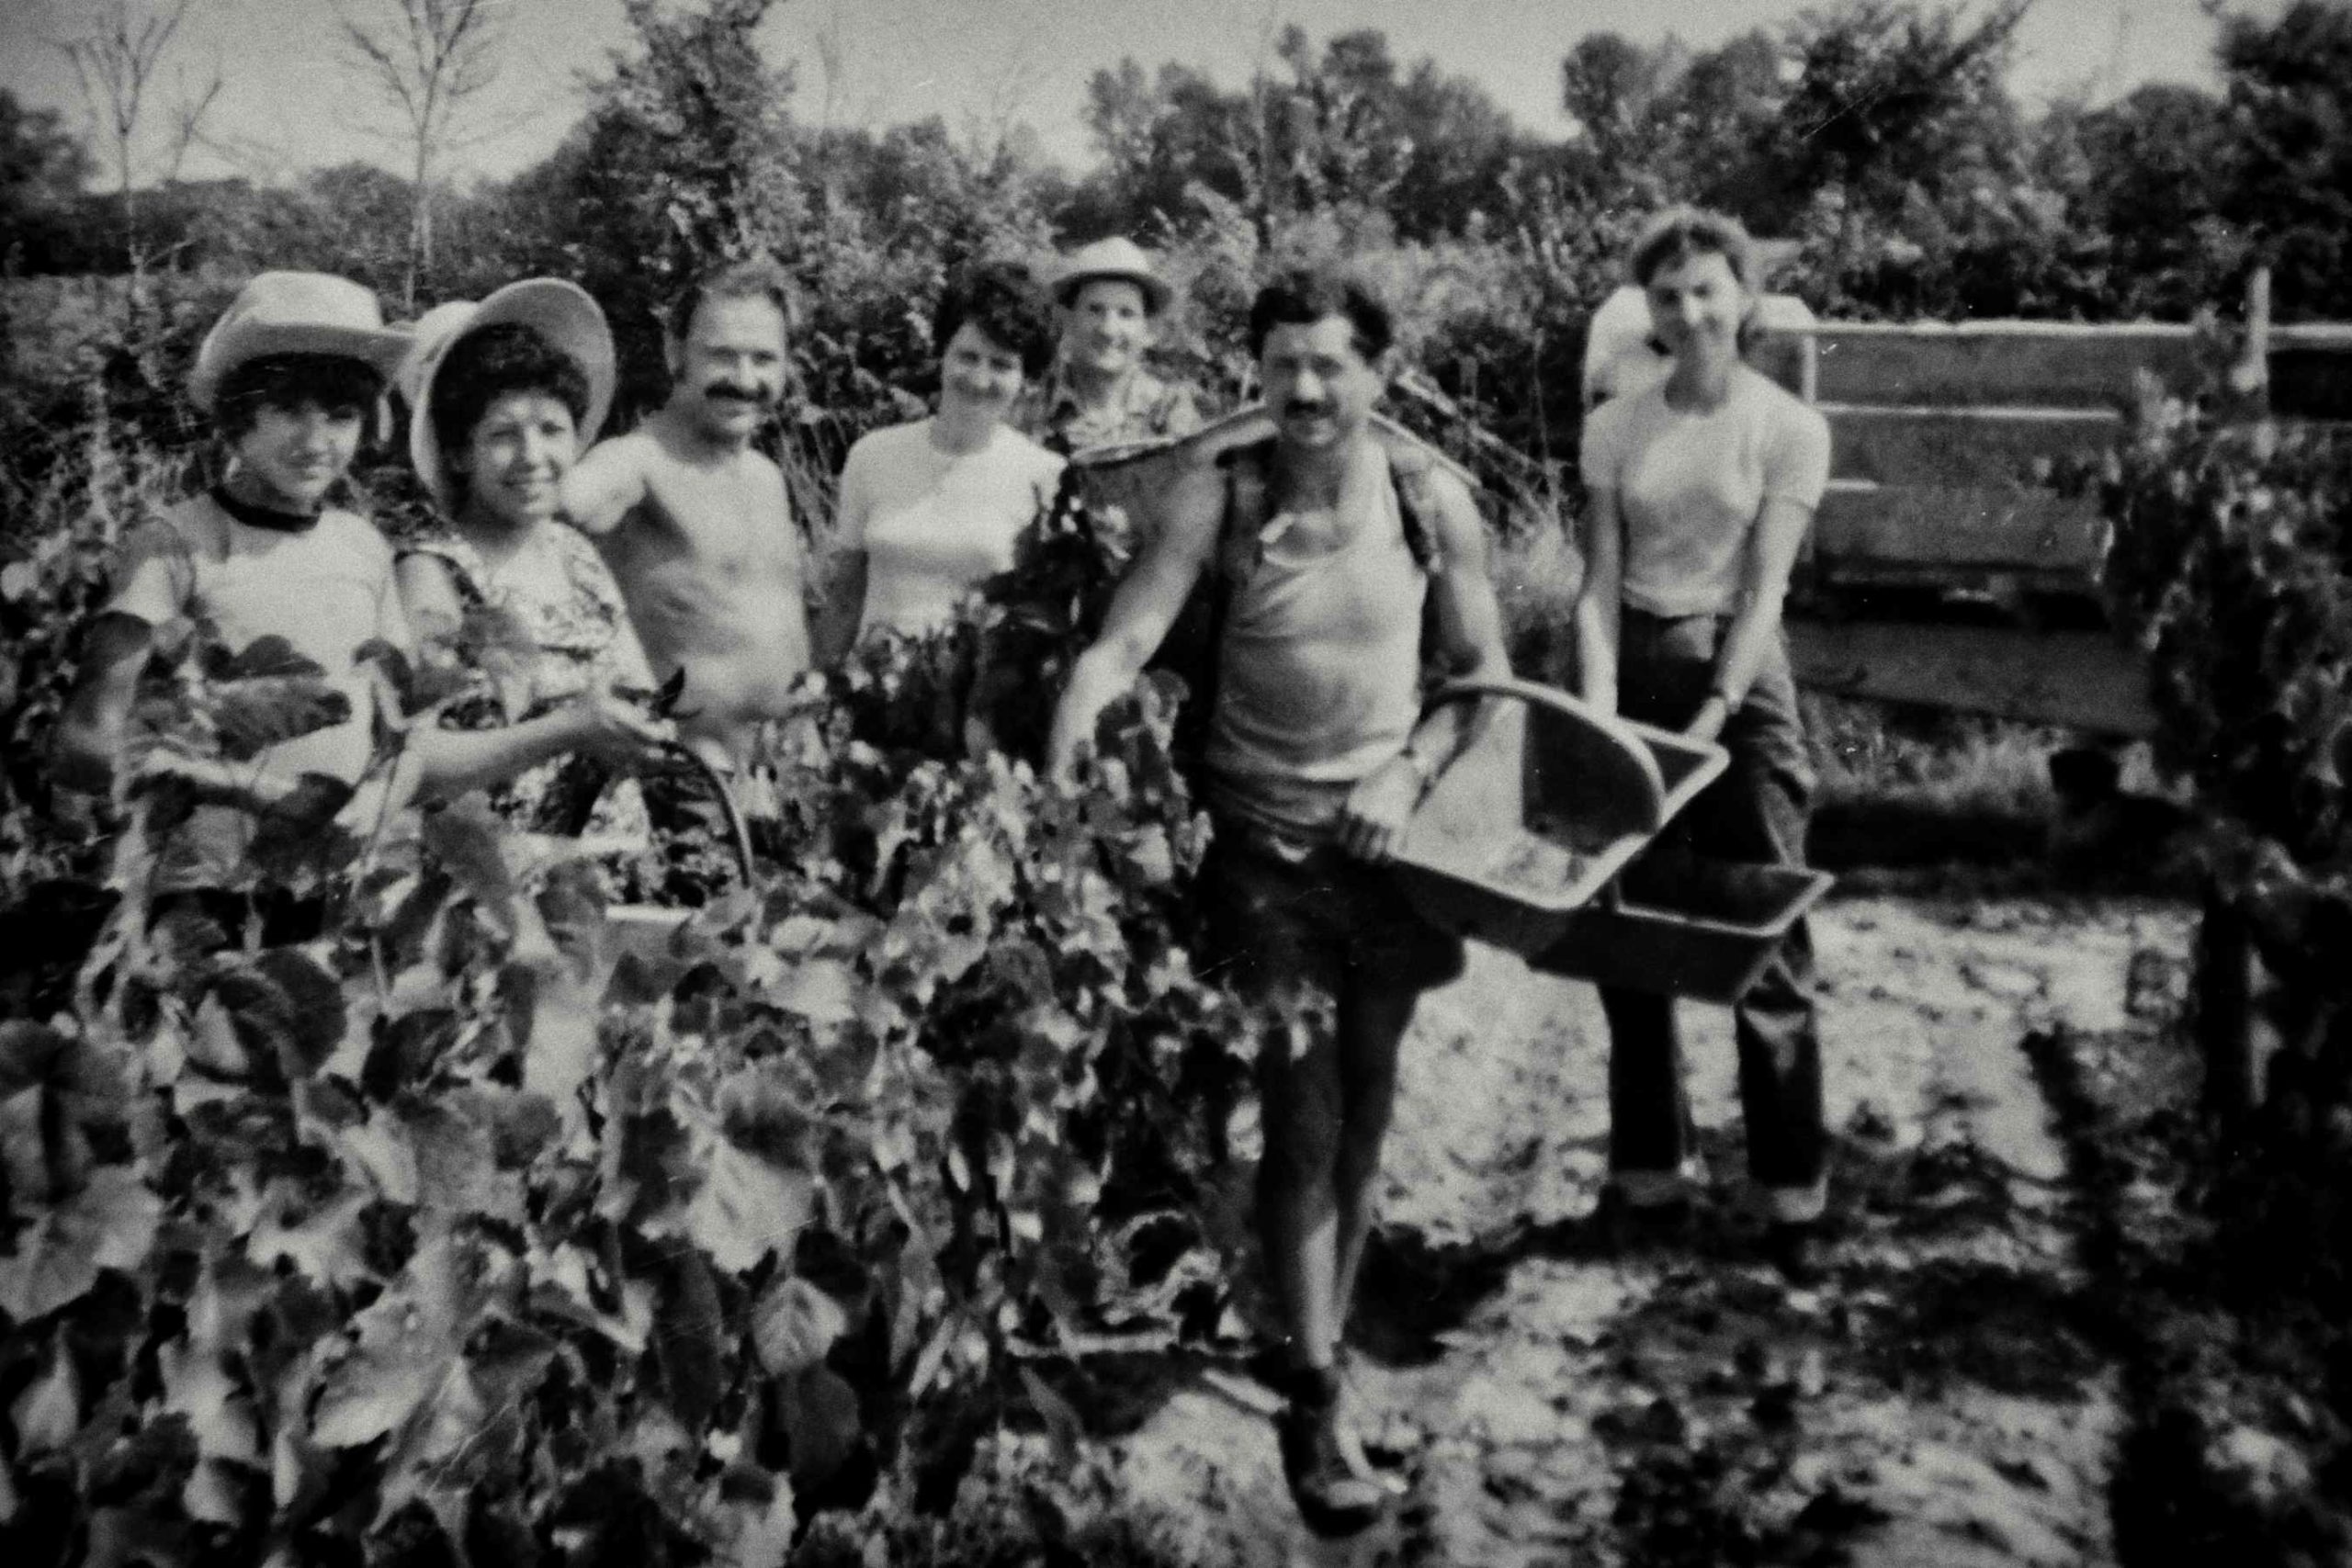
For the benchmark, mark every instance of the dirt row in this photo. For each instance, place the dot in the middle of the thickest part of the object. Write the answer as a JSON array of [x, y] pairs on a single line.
[[1947, 1395]]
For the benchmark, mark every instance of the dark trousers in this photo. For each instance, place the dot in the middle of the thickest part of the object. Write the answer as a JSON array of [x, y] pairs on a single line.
[[1754, 812]]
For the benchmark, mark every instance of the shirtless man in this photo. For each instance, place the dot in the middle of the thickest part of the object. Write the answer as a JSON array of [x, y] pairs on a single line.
[[694, 521], [1330, 545]]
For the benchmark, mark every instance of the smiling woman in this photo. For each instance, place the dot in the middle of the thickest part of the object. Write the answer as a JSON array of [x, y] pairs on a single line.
[[502, 395], [929, 509]]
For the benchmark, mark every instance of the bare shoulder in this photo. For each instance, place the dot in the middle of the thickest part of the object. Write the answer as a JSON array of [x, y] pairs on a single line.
[[609, 481], [1460, 531], [629, 453], [1194, 505]]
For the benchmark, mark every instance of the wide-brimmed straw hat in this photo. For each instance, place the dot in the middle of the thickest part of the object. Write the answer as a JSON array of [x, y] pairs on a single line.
[[1114, 258], [295, 312], [561, 313]]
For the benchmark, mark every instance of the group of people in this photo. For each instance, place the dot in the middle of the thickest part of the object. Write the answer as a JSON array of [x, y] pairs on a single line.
[[1346, 567]]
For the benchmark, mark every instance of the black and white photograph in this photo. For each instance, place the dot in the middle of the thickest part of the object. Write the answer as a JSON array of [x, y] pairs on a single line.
[[1175, 783]]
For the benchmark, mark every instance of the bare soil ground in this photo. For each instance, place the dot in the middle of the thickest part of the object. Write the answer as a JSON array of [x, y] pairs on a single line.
[[1953, 1394]]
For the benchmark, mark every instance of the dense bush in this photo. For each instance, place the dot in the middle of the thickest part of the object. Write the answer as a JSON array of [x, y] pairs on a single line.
[[2231, 566], [473, 1225]]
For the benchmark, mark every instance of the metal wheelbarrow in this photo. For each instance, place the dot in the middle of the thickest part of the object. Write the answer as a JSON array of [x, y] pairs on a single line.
[[1533, 839]]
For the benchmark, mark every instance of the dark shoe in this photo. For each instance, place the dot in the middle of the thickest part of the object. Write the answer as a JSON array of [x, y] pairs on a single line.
[[1622, 1228], [1332, 1497], [1796, 1251]]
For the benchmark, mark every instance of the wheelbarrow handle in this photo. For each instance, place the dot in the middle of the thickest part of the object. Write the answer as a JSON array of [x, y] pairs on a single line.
[[1528, 691]]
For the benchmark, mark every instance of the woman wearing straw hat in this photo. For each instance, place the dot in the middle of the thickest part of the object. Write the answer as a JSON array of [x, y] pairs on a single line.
[[502, 396], [1111, 301], [288, 377]]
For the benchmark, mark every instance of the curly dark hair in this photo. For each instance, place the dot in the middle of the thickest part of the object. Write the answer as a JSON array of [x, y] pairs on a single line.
[[1306, 295], [1003, 301], [332, 381], [484, 366]]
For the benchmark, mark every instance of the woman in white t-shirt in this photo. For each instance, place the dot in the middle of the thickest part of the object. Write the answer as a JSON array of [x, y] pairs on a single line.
[[930, 510], [1702, 482]]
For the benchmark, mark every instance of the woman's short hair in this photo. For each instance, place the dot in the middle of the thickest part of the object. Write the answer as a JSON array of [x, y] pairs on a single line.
[[756, 278], [1002, 299], [292, 381], [486, 365], [1306, 295], [1679, 234]]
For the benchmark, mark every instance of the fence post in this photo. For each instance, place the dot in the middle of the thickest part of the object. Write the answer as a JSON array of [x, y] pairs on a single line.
[[2250, 377], [2224, 1016]]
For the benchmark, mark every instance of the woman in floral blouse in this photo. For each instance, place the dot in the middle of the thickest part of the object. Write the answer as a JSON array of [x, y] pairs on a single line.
[[503, 395]]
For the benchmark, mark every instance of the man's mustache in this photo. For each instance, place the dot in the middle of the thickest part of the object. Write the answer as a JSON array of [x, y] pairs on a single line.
[[736, 392], [1293, 410]]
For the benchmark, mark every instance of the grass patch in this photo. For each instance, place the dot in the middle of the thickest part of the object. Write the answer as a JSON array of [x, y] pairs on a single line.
[[1909, 786]]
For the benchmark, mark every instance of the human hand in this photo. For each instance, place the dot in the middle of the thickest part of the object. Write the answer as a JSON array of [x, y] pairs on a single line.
[[381, 795], [611, 728], [1379, 806]]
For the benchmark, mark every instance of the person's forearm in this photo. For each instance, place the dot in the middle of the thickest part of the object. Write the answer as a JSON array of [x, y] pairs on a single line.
[[1597, 633], [456, 761], [1746, 642], [833, 621], [1448, 729]]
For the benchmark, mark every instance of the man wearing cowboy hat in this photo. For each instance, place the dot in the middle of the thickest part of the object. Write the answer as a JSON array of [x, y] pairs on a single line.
[[1100, 393], [290, 376], [694, 521]]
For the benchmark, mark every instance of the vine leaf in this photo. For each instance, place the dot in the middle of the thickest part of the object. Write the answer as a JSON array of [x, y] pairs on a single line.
[[821, 1424], [795, 1325], [48, 1414], [285, 1007], [408, 1353], [322, 1240], [746, 1207], [111, 1223]]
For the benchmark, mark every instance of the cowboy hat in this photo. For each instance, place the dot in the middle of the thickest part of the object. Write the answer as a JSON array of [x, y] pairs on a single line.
[[294, 312], [1114, 258], [561, 314]]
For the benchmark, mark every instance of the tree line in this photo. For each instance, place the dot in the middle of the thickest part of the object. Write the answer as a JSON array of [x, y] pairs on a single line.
[[1880, 140]]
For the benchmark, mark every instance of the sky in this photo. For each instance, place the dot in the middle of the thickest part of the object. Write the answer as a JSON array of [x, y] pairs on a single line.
[[290, 99]]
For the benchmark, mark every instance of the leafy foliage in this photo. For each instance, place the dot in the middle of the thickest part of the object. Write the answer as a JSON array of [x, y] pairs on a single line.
[[477, 1229], [2230, 564]]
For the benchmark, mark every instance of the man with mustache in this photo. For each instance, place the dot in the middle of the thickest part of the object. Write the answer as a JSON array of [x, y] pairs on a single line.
[[695, 522], [1328, 545]]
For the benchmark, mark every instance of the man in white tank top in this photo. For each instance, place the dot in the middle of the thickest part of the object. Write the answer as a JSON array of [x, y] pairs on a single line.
[[1317, 753]]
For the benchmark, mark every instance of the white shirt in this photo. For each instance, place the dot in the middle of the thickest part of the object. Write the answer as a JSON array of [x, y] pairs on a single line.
[[935, 525], [1690, 485]]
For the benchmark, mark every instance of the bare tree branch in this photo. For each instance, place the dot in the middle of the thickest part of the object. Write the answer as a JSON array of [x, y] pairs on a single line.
[[189, 110], [431, 61], [115, 59]]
